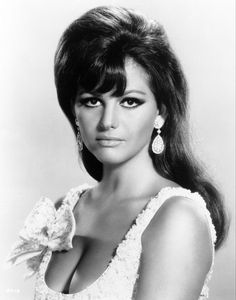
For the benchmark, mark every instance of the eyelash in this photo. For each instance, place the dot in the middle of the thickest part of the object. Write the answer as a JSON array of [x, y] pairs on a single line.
[[85, 102]]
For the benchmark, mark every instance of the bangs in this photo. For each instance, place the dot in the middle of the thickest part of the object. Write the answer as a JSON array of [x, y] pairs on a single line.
[[103, 74]]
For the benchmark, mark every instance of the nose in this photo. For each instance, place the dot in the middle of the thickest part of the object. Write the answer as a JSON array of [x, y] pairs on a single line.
[[109, 117]]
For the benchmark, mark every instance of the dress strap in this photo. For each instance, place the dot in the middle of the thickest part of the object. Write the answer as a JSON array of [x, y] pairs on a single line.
[[74, 194]]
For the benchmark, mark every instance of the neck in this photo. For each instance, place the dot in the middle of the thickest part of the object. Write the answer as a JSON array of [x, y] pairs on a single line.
[[135, 177]]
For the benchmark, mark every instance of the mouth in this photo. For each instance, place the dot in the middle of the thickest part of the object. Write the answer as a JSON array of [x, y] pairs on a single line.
[[109, 141]]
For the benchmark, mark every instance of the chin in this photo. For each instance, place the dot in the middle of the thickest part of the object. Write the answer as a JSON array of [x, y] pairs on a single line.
[[110, 156], [116, 155], [109, 159]]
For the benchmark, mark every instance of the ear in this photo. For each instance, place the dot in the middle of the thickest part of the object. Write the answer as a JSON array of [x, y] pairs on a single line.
[[160, 117], [163, 111]]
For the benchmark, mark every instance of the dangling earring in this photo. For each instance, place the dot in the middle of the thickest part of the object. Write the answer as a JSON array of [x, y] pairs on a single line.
[[78, 137], [158, 144]]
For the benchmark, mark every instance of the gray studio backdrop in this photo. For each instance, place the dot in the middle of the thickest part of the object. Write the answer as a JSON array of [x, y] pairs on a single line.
[[38, 150]]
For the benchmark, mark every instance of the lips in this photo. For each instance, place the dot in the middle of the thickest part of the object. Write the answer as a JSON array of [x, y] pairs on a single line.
[[109, 138], [109, 141]]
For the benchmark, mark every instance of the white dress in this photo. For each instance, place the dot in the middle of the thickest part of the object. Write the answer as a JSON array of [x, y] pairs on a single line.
[[47, 229]]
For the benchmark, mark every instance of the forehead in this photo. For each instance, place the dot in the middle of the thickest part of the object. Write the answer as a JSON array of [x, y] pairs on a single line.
[[136, 76]]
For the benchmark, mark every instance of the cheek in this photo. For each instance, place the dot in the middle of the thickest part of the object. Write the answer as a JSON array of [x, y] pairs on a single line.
[[87, 120], [143, 126], [87, 126], [145, 131]]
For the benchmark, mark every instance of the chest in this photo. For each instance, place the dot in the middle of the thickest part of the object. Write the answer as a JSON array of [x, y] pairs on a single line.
[[98, 236], [117, 281], [106, 226]]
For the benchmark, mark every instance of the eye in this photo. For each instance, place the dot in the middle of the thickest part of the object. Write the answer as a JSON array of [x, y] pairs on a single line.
[[131, 102], [90, 101]]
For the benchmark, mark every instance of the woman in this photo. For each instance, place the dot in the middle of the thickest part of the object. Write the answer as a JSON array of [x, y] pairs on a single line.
[[150, 227]]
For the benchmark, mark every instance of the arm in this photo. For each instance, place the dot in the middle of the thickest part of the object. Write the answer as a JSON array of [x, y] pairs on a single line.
[[177, 252]]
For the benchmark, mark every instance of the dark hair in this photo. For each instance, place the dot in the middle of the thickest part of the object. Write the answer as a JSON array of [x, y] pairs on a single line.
[[91, 56]]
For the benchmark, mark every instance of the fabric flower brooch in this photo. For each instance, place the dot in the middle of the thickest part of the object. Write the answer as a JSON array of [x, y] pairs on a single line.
[[44, 228]]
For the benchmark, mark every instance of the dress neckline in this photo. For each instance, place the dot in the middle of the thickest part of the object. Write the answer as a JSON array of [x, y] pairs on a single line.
[[122, 241]]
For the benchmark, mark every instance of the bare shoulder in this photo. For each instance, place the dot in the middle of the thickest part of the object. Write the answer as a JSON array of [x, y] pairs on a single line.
[[180, 215], [180, 223], [176, 252]]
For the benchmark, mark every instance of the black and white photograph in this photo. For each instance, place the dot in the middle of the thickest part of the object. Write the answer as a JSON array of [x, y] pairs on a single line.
[[117, 138]]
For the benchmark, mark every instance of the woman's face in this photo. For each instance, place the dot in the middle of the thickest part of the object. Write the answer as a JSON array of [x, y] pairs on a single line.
[[117, 129]]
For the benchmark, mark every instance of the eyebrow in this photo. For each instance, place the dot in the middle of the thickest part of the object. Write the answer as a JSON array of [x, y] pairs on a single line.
[[125, 93], [134, 91]]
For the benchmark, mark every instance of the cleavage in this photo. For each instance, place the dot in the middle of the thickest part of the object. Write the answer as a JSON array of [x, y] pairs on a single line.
[[93, 263], [103, 236]]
